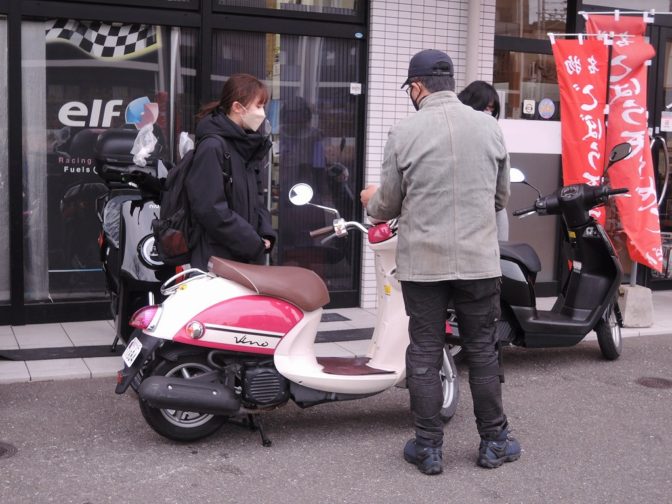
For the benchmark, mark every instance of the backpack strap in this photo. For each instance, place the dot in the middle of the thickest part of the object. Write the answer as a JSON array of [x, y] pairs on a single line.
[[226, 168]]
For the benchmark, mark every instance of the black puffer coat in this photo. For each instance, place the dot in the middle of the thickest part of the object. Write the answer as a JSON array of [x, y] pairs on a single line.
[[228, 229]]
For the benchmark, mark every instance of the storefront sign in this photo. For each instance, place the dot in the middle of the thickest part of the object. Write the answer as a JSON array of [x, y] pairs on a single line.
[[582, 76], [628, 117]]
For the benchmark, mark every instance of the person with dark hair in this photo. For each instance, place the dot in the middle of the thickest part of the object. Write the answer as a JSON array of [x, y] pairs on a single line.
[[232, 222], [482, 96], [445, 172]]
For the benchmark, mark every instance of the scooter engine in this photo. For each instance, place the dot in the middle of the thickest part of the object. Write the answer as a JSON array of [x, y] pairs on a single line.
[[264, 386]]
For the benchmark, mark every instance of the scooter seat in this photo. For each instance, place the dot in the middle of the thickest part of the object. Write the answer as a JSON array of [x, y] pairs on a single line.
[[299, 286], [522, 253]]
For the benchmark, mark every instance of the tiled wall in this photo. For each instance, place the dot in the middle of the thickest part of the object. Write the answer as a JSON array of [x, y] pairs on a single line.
[[398, 29]]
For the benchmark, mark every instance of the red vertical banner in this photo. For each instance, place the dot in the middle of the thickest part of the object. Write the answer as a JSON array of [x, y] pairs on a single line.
[[582, 67], [628, 122]]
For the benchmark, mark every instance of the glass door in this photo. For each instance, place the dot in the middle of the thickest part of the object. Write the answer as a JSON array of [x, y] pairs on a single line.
[[661, 96]]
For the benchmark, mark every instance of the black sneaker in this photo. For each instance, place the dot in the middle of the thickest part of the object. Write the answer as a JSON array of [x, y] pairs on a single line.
[[502, 448], [428, 460]]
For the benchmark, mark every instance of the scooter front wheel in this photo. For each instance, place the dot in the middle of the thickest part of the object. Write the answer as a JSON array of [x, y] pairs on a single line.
[[450, 384], [609, 335], [181, 425]]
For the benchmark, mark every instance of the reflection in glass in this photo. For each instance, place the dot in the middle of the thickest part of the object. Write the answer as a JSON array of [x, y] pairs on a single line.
[[79, 79], [524, 81], [4, 168], [314, 124], [346, 7], [530, 18]]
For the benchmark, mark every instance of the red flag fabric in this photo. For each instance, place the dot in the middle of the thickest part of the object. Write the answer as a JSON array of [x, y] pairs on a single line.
[[582, 67], [628, 122]]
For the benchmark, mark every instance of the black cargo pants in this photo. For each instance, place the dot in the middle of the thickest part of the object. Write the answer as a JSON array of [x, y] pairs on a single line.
[[476, 304]]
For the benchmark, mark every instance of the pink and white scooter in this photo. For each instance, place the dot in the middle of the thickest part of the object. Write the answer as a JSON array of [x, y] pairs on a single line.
[[239, 339]]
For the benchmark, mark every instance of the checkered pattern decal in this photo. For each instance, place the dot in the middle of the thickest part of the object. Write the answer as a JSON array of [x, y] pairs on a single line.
[[102, 40]]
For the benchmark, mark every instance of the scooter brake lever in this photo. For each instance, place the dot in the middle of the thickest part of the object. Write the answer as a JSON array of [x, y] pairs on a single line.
[[328, 238]]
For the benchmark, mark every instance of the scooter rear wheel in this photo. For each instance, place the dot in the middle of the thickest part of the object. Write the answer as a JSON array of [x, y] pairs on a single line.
[[181, 425], [609, 335], [450, 384]]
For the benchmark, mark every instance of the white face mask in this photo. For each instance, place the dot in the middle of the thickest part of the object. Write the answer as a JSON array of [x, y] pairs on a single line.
[[253, 118]]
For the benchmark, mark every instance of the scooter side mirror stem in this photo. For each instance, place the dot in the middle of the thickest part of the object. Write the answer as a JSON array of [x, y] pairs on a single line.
[[517, 176]]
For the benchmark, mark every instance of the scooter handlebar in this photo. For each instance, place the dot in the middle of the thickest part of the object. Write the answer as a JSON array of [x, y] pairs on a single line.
[[321, 231], [620, 190], [524, 211]]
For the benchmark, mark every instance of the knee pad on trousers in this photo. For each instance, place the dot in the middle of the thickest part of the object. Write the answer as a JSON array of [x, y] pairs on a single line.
[[492, 369]]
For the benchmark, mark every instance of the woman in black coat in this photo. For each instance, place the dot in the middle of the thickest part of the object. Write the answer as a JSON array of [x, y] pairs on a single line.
[[480, 95], [236, 227]]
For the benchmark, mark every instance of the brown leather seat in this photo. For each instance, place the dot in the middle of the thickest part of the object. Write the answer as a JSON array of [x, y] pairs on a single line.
[[299, 286]]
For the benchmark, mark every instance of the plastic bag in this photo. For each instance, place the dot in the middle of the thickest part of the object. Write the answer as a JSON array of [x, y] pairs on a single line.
[[185, 144], [144, 145]]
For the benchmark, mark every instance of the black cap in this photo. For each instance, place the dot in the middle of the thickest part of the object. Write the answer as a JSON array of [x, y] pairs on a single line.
[[429, 62]]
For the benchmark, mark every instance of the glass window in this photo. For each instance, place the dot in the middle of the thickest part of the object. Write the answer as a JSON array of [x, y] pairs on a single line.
[[530, 18], [4, 168], [345, 7], [80, 78], [527, 85], [313, 112]]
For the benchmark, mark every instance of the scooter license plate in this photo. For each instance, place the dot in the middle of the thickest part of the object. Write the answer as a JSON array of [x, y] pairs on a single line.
[[132, 351]]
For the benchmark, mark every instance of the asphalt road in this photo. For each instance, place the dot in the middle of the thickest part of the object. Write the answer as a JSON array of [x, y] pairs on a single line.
[[590, 434]]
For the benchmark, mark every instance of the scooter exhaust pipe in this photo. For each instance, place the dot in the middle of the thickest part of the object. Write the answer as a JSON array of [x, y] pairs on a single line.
[[186, 395]]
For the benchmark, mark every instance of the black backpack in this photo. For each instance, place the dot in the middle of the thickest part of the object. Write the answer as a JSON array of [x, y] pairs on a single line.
[[174, 232]]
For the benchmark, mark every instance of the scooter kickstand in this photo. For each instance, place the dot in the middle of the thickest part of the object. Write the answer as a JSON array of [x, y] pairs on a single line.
[[255, 424]]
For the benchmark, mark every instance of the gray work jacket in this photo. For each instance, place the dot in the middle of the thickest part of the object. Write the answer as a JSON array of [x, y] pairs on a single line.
[[445, 172]]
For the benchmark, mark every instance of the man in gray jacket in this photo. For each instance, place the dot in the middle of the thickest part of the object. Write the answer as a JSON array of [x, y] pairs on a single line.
[[445, 173]]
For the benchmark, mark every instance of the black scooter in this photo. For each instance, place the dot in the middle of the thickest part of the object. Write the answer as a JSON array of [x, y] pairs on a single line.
[[133, 271], [588, 300]]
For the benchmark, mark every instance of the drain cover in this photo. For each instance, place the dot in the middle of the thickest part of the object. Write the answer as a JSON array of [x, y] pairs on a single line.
[[652, 382], [6, 450]]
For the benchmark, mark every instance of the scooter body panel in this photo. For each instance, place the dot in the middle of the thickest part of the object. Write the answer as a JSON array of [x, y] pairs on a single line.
[[591, 287], [234, 318], [140, 264], [249, 324], [295, 355], [517, 290]]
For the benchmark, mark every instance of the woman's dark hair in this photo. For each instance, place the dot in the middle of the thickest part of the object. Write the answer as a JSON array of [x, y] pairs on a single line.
[[241, 88], [478, 95]]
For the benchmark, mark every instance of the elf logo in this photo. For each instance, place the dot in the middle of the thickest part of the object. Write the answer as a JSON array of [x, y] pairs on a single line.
[[140, 112]]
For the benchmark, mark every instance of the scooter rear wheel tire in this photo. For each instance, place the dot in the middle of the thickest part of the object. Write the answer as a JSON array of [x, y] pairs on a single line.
[[184, 426]]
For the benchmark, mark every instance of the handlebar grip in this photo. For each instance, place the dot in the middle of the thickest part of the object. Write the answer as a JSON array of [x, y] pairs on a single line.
[[621, 190], [321, 231], [522, 211]]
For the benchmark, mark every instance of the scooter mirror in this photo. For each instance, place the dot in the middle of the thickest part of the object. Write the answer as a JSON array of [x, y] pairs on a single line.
[[300, 194], [620, 151], [516, 175]]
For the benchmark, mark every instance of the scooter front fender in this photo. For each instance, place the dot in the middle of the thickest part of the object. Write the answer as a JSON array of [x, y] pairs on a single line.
[[126, 375]]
